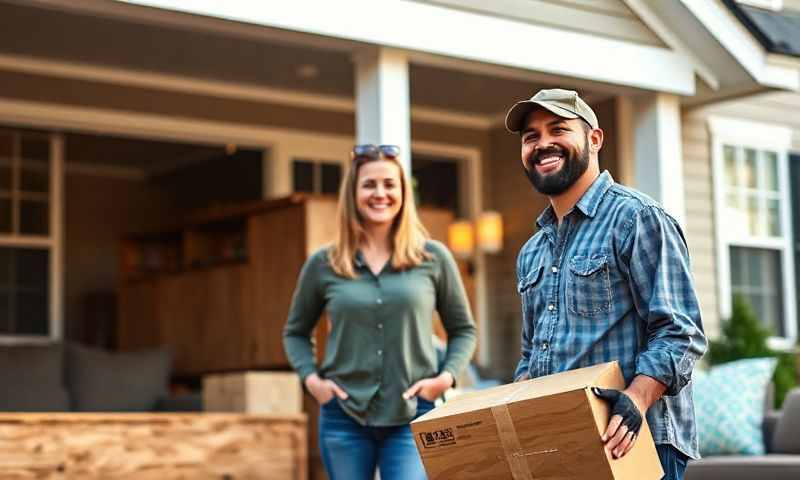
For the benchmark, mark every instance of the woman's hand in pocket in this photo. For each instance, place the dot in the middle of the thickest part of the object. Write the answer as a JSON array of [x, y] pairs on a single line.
[[430, 388], [323, 389]]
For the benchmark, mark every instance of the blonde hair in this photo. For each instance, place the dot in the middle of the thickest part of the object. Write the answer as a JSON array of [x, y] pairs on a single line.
[[408, 233]]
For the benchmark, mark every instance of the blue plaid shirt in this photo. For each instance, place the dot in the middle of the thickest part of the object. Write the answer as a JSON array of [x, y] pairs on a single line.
[[613, 283]]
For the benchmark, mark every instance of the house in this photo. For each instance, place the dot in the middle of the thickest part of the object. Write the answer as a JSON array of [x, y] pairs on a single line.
[[123, 116], [742, 166]]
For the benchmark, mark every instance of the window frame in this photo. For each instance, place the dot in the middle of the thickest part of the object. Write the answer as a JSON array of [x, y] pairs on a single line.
[[316, 171], [759, 136], [53, 241]]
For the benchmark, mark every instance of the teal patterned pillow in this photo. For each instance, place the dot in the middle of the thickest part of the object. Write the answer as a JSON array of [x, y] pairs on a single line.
[[729, 406]]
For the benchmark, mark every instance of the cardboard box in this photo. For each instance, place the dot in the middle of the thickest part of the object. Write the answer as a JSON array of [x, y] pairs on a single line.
[[546, 428], [253, 392]]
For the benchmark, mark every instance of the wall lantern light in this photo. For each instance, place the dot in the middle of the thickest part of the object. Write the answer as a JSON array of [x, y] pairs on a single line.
[[486, 233]]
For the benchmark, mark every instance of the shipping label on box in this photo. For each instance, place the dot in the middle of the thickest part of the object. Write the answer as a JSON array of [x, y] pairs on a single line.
[[545, 429]]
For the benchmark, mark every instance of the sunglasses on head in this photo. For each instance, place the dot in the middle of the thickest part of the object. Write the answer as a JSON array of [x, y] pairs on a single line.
[[373, 152]]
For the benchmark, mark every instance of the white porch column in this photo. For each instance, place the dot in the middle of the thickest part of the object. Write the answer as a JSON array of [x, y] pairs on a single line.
[[650, 149], [277, 172], [383, 111]]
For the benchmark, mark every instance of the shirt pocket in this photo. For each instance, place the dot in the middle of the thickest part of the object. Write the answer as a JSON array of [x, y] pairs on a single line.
[[589, 285], [527, 288]]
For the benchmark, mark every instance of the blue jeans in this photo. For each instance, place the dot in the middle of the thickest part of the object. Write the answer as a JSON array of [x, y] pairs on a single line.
[[352, 452], [672, 461]]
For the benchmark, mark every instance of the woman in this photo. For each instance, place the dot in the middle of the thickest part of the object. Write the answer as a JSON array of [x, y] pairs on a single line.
[[379, 284]]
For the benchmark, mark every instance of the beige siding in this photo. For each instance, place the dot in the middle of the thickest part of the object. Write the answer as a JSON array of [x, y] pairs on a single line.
[[772, 108], [699, 216], [608, 18]]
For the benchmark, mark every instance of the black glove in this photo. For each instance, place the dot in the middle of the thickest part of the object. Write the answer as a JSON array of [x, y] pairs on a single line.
[[623, 406]]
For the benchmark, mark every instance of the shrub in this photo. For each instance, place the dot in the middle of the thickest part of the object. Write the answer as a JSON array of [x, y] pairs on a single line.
[[744, 336]]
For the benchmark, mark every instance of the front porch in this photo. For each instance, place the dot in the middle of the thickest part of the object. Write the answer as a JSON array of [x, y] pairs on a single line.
[[186, 115]]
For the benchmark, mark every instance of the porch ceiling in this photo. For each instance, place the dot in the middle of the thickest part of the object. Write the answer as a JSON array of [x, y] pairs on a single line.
[[144, 156], [122, 44], [109, 42], [447, 89]]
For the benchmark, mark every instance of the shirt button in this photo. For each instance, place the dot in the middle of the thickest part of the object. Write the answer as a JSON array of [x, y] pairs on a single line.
[[551, 307], [545, 345], [379, 301], [380, 352], [555, 269]]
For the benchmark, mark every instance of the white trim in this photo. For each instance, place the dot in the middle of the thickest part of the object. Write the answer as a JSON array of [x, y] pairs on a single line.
[[499, 41], [222, 89], [790, 283], [665, 33], [735, 38], [781, 60], [744, 133], [52, 242], [774, 5], [753, 134]]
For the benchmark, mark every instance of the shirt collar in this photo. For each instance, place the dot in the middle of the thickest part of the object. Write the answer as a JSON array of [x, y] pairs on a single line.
[[591, 199], [588, 203]]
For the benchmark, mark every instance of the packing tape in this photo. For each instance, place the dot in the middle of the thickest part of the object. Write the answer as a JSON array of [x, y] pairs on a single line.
[[509, 439], [511, 446]]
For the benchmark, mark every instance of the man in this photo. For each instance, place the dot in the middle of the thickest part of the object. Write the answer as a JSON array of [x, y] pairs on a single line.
[[606, 278]]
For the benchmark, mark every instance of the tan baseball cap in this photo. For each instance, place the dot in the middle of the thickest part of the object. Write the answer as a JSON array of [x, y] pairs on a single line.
[[564, 103]]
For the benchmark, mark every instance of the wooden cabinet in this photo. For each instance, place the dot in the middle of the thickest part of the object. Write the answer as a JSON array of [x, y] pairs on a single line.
[[217, 288]]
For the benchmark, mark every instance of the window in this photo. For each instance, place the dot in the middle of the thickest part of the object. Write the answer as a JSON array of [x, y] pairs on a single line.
[[753, 207], [438, 183], [27, 234], [311, 176]]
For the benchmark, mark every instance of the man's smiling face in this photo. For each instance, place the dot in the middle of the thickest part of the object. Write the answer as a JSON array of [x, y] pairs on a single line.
[[555, 151]]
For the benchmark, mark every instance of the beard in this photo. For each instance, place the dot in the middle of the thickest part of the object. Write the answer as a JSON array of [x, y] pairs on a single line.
[[573, 166]]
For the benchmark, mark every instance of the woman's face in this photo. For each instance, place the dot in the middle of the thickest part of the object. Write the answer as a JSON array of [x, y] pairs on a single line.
[[379, 192]]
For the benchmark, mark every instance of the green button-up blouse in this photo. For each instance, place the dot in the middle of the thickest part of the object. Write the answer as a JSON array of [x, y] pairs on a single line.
[[380, 341]]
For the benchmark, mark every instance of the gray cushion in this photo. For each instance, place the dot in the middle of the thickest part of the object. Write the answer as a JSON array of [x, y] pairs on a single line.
[[31, 378], [787, 432], [187, 402], [118, 382], [754, 467], [771, 420]]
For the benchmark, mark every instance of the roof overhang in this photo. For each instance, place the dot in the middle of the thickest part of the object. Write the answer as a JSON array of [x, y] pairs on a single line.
[[704, 40], [725, 54], [434, 30]]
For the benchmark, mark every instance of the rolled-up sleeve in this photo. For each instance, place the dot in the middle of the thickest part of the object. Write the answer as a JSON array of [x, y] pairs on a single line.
[[304, 314], [656, 256]]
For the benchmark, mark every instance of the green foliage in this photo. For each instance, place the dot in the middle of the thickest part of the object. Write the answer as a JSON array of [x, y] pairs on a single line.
[[744, 336]]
